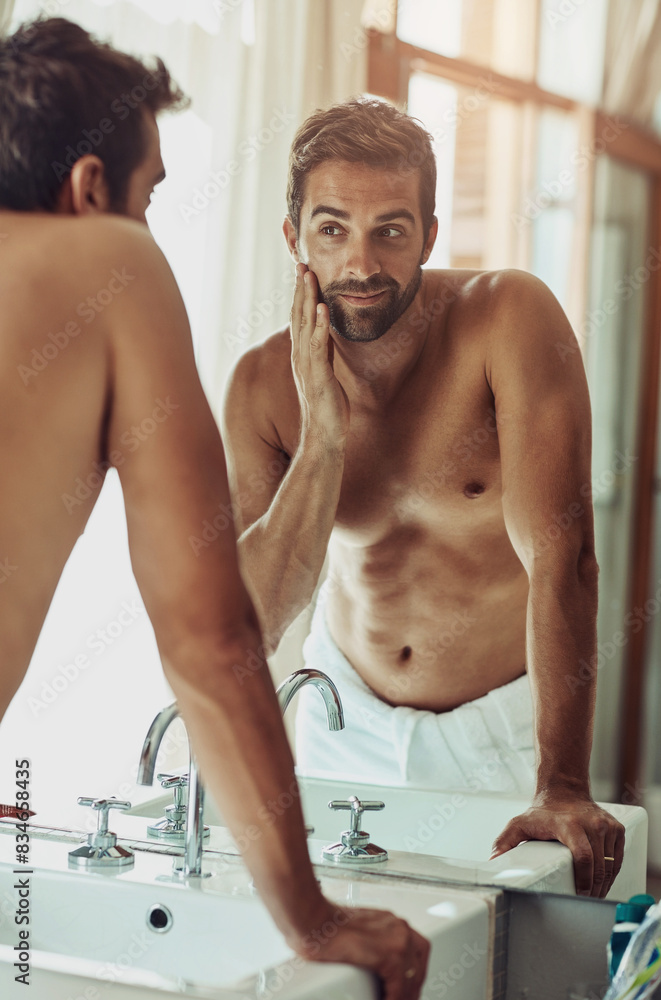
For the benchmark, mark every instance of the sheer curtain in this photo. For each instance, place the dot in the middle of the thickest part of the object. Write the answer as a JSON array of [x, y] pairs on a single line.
[[6, 8], [632, 75], [254, 69]]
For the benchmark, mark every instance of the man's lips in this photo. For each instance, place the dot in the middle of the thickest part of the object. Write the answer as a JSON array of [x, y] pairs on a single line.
[[363, 300]]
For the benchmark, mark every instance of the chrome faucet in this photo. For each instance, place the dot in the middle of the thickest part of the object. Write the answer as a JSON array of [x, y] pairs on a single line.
[[194, 839], [324, 685]]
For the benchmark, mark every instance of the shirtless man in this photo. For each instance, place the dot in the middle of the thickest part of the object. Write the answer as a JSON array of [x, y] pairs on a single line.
[[430, 433], [67, 235]]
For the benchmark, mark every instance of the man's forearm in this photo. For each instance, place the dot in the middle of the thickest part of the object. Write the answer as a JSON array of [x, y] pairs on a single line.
[[235, 725], [561, 657], [282, 553]]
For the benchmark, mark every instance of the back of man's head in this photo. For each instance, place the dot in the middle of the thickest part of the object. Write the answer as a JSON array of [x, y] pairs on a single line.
[[64, 95], [362, 130]]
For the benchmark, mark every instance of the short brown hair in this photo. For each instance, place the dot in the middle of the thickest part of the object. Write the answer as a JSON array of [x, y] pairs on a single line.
[[362, 130], [63, 94]]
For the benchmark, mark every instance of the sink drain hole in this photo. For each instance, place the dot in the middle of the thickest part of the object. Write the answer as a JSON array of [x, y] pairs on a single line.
[[159, 918]]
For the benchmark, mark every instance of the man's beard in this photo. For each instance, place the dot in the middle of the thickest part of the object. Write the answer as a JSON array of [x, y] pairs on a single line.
[[363, 324]]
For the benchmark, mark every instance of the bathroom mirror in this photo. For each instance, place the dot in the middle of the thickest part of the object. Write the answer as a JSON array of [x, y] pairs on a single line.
[[529, 177]]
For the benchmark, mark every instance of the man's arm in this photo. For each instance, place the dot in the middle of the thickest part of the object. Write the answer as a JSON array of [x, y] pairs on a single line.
[[173, 480], [285, 518], [544, 432]]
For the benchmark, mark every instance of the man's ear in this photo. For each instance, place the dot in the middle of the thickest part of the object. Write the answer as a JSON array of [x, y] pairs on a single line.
[[431, 239], [86, 190], [291, 237]]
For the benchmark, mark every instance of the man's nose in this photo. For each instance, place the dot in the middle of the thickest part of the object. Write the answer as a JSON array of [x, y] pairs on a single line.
[[362, 260]]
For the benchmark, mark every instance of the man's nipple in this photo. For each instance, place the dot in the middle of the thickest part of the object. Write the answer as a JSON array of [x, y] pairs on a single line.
[[474, 489]]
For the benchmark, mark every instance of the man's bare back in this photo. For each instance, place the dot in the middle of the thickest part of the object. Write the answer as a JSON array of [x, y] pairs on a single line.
[[54, 378], [428, 597]]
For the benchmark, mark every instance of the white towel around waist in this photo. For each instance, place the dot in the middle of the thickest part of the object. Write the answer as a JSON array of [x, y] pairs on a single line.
[[484, 745]]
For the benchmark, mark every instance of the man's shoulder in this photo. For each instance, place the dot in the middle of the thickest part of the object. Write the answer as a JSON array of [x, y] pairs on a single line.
[[489, 287], [90, 237], [265, 363], [78, 255], [497, 304]]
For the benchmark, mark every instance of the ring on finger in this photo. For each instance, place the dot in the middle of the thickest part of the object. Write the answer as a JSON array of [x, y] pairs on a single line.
[[409, 974]]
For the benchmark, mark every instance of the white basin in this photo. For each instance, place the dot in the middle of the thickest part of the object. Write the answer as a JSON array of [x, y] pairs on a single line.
[[448, 836], [87, 927], [462, 828]]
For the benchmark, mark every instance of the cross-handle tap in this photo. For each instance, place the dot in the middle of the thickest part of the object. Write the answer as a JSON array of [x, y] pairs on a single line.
[[102, 850], [194, 840]]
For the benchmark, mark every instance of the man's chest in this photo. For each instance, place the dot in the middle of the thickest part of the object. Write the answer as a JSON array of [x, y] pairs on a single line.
[[430, 459]]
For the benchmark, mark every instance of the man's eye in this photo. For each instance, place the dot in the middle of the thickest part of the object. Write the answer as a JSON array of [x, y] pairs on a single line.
[[325, 230], [392, 232]]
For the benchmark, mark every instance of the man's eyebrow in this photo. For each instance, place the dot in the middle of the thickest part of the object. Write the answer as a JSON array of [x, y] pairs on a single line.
[[399, 213], [340, 213]]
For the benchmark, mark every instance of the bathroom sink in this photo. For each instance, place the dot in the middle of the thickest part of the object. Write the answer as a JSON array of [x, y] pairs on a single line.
[[448, 836], [462, 828], [142, 930]]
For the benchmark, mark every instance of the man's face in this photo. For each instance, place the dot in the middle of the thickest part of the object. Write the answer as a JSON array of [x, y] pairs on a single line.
[[361, 233], [146, 175]]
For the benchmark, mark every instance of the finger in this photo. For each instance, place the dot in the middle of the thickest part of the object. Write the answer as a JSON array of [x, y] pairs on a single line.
[[617, 852], [609, 865], [422, 949], [404, 979], [582, 853], [598, 863], [297, 307], [511, 837], [309, 316], [319, 342], [414, 967]]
